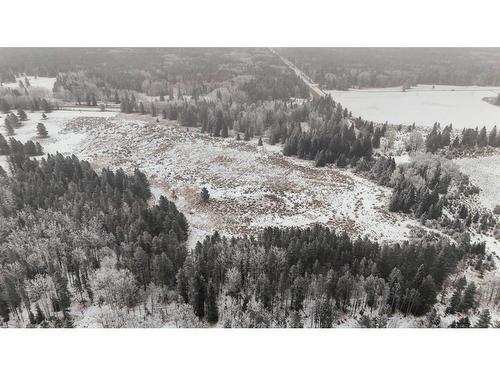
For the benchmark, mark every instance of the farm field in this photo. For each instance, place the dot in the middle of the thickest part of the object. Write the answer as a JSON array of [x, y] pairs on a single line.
[[462, 106]]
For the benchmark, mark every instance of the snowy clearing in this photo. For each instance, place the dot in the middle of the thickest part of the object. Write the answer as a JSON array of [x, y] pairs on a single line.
[[46, 83], [485, 173], [463, 106], [63, 143], [250, 187]]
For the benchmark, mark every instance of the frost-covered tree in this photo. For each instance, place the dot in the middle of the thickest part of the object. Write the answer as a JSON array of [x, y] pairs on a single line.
[[204, 195], [484, 319], [116, 287], [42, 130]]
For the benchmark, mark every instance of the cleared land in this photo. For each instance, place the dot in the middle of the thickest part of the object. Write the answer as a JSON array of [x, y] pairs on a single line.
[[462, 106], [250, 186]]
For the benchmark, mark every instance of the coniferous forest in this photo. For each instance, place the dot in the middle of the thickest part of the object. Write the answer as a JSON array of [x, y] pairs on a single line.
[[85, 241], [69, 232]]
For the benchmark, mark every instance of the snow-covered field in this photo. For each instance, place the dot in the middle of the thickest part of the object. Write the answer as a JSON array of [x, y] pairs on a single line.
[[484, 173], [46, 83], [460, 105], [57, 141], [250, 186]]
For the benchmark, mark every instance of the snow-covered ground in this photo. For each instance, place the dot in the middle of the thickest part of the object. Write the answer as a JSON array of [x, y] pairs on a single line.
[[484, 173], [250, 186], [46, 83], [63, 143], [463, 106]]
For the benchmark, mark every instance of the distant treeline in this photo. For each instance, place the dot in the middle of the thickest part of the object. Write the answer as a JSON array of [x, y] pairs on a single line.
[[92, 75], [343, 68]]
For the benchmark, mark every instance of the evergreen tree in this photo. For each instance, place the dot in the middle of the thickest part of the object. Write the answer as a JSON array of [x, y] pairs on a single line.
[[4, 146], [4, 307], [8, 128], [41, 130], [225, 131], [212, 310], [46, 107], [482, 139], [39, 317], [469, 298], [484, 319], [205, 195], [198, 295], [4, 105], [461, 323], [492, 138], [22, 115]]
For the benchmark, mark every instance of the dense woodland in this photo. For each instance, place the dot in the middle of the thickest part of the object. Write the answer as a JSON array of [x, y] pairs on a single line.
[[73, 237], [60, 219], [87, 76], [344, 68], [71, 234]]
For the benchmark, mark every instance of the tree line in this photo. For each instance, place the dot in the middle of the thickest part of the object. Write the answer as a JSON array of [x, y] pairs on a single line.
[[470, 138]]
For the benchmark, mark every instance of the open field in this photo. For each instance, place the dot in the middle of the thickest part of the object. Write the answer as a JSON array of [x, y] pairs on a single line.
[[45, 83], [462, 106], [250, 186], [485, 173]]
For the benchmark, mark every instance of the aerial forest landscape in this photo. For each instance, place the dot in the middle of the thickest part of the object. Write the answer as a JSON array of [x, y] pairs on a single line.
[[249, 187]]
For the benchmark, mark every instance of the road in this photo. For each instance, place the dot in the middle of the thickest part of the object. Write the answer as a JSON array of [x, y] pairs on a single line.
[[314, 88]]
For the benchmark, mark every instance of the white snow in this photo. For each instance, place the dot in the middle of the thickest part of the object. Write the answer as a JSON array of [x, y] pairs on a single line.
[[250, 186], [460, 105], [484, 173], [46, 83], [64, 143]]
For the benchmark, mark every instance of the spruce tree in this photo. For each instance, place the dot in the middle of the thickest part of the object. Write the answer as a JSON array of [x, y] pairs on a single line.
[[469, 298], [4, 308], [205, 195], [225, 131], [22, 115], [4, 146], [39, 317], [212, 310], [8, 128], [482, 139], [41, 130], [484, 319], [492, 139]]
